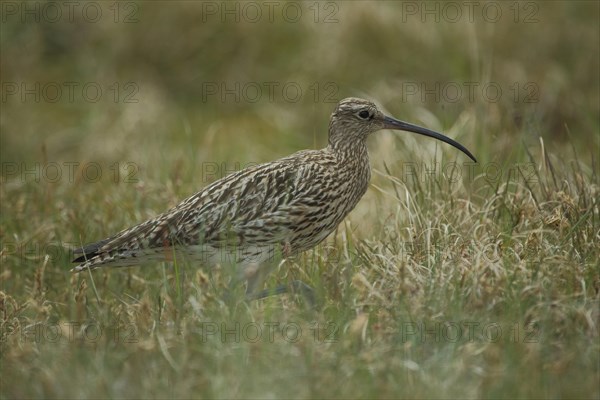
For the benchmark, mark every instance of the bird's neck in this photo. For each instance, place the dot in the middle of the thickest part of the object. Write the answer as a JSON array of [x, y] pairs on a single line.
[[354, 170], [349, 152], [353, 158]]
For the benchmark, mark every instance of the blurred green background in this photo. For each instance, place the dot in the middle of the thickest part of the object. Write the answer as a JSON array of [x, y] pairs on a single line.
[[246, 82], [112, 112]]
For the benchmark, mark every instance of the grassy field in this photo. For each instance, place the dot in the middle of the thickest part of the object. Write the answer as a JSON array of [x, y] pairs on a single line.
[[449, 279]]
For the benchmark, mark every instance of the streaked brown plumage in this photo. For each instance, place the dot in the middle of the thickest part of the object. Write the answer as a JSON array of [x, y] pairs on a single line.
[[285, 206]]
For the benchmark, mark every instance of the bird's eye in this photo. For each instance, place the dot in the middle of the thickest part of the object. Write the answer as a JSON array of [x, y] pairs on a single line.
[[364, 114]]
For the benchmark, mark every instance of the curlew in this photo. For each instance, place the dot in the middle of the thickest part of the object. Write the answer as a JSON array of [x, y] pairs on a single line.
[[281, 207]]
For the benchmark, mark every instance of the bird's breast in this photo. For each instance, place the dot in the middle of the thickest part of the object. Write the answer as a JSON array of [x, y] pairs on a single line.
[[334, 198]]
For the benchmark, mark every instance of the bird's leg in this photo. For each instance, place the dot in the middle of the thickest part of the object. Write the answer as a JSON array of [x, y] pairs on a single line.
[[254, 275], [295, 287]]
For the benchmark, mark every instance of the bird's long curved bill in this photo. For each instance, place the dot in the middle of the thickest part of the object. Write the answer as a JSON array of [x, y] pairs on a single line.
[[392, 123]]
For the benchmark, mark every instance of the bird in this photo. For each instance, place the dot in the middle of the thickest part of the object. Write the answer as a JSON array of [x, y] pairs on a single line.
[[251, 216]]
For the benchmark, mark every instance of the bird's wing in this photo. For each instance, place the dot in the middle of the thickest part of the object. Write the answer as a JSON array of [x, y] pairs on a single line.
[[258, 206]]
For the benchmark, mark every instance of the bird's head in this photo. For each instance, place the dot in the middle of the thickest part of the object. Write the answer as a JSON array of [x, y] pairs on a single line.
[[354, 119]]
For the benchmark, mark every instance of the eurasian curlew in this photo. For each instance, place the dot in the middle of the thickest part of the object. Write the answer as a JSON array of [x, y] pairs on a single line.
[[286, 206]]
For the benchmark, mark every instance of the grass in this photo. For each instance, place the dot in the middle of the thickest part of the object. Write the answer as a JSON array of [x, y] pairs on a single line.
[[448, 280], [487, 294]]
